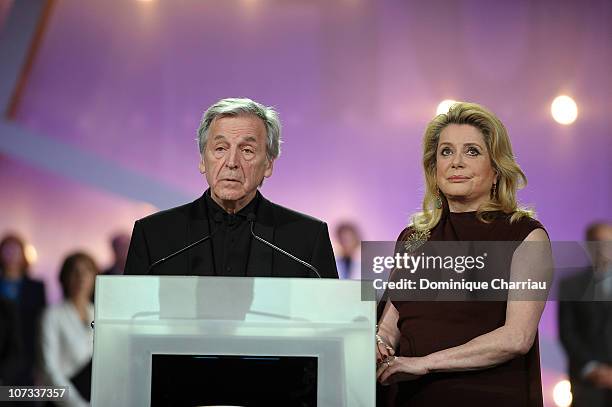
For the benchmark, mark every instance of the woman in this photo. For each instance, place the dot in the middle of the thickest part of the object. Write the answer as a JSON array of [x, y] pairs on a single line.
[[66, 333], [466, 353], [10, 343], [27, 297]]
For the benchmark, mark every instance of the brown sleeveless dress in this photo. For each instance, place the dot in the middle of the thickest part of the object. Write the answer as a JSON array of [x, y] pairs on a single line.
[[427, 327]]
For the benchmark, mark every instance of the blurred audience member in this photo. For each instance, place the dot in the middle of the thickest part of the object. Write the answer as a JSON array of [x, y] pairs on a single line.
[[28, 297], [585, 326], [11, 351], [348, 260], [66, 333], [120, 243]]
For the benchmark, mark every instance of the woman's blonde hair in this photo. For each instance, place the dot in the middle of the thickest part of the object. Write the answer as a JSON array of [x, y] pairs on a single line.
[[510, 177]]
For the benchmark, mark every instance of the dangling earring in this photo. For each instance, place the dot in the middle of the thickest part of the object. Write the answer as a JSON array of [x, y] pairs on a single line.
[[438, 199], [493, 190]]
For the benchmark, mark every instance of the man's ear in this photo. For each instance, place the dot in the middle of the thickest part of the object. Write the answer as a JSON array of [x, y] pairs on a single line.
[[269, 168], [202, 166]]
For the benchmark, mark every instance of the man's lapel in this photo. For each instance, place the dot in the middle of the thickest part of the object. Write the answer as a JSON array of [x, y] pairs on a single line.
[[261, 255], [201, 256]]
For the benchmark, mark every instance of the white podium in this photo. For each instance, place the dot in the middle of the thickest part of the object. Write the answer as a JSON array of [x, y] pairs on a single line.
[[164, 340]]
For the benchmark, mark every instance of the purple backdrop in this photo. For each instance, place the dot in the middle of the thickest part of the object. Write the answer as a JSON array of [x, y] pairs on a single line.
[[355, 82]]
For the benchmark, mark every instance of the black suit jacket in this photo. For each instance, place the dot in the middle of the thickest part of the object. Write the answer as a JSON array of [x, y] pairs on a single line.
[[585, 329], [29, 307], [11, 352], [163, 233]]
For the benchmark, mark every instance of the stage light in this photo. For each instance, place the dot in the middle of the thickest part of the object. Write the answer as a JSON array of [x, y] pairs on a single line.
[[30, 254], [444, 106], [564, 110], [562, 394]]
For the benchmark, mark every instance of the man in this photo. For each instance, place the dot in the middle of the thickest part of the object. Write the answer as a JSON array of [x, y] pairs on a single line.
[[120, 244], [348, 262], [585, 325], [239, 140]]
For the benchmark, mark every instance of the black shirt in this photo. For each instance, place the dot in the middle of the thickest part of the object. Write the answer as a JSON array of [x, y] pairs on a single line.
[[231, 242]]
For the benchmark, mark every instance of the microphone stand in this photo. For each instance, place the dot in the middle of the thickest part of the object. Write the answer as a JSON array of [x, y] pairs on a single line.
[[251, 218]]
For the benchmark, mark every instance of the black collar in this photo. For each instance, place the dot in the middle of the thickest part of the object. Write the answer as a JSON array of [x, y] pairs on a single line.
[[217, 212], [261, 256]]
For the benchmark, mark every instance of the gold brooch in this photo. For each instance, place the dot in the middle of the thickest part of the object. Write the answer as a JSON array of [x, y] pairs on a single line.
[[416, 239]]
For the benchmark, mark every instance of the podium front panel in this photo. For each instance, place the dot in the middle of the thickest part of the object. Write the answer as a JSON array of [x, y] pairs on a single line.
[[322, 322]]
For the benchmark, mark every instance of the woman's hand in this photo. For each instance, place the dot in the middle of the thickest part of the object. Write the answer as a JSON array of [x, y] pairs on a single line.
[[396, 369], [383, 349]]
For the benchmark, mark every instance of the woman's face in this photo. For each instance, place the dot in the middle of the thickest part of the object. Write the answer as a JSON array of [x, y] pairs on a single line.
[[463, 166], [81, 281], [12, 255]]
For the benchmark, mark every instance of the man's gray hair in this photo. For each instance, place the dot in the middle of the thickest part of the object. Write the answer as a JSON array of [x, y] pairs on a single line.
[[242, 106]]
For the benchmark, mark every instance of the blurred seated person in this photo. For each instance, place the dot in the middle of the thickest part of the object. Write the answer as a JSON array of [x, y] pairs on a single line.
[[120, 244], [28, 298], [66, 334], [349, 260], [585, 325]]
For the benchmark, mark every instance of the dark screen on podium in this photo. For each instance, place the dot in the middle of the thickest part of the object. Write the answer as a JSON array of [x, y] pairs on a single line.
[[198, 380]]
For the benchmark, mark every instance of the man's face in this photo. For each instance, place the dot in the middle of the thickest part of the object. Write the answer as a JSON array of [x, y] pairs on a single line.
[[349, 240], [234, 159], [603, 245]]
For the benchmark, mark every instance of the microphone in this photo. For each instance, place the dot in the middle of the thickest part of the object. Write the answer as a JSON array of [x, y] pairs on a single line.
[[218, 219], [251, 218]]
